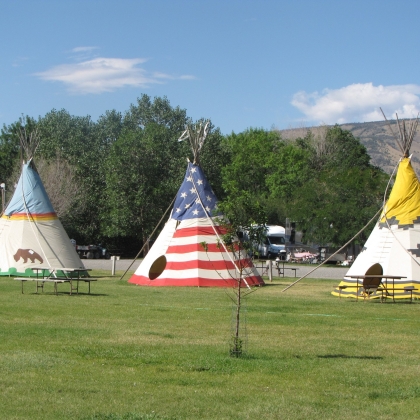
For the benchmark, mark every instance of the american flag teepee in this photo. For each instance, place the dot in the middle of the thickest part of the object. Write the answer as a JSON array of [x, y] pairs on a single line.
[[189, 250]]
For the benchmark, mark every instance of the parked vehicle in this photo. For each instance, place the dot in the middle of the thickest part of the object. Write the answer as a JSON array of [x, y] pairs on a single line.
[[92, 252], [274, 244]]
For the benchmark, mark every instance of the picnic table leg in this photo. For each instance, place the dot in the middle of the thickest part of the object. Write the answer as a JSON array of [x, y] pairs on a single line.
[[357, 289], [39, 285], [393, 287]]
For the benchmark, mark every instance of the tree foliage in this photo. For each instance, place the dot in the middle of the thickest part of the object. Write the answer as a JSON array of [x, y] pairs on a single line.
[[342, 193], [140, 171], [10, 149], [326, 184], [250, 155], [111, 180]]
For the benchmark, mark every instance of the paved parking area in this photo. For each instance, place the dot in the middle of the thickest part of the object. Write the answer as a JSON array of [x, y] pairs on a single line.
[[324, 272]]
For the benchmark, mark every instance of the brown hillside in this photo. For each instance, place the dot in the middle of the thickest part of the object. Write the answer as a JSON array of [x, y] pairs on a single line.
[[377, 138]]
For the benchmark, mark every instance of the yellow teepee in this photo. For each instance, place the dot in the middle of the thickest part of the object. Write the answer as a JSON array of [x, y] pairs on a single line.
[[393, 247]]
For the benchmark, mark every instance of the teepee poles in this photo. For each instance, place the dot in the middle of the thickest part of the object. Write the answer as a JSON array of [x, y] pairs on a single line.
[[196, 133], [29, 142], [406, 134], [392, 131]]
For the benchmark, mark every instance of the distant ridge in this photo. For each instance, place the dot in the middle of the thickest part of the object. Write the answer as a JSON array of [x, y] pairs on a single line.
[[376, 137]]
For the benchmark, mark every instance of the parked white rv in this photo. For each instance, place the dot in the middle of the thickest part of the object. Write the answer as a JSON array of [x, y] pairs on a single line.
[[274, 244]]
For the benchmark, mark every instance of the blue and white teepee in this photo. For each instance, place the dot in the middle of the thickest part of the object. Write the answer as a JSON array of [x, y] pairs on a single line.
[[31, 235]]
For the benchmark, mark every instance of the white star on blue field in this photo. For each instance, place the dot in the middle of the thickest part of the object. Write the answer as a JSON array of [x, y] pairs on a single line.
[[195, 198]]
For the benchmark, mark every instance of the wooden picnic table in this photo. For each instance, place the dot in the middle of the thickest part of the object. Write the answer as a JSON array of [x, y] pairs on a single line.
[[384, 287], [69, 275], [281, 268]]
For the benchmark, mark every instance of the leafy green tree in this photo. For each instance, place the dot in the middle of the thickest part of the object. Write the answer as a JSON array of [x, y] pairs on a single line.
[[289, 169], [250, 155], [144, 168], [336, 148], [139, 180], [213, 158], [158, 111], [77, 140], [342, 193], [10, 150], [107, 129], [267, 167], [324, 182]]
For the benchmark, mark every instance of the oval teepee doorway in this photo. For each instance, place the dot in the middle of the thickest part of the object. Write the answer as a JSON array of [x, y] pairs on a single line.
[[375, 269], [371, 283], [156, 269]]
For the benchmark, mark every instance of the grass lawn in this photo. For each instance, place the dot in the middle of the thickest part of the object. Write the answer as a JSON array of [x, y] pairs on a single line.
[[129, 352]]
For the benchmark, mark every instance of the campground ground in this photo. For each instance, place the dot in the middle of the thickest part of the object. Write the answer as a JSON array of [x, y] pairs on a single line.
[[130, 352]]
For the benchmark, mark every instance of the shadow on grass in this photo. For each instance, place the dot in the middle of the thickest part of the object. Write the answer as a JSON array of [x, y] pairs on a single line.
[[274, 284], [344, 356], [127, 416], [66, 294]]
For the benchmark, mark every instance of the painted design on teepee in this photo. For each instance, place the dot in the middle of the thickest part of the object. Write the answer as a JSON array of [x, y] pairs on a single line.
[[402, 207], [189, 250], [390, 249], [416, 251], [30, 202], [27, 254], [195, 198]]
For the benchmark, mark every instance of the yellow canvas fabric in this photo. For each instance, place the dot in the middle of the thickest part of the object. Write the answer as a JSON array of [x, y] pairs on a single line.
[[404, 202]]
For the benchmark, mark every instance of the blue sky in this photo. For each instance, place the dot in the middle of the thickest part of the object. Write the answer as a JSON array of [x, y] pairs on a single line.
[[266, 63]]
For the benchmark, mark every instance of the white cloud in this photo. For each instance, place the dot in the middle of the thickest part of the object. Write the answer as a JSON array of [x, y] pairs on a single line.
[[83, 53], [83, 49], [101, 74], [359, 103]]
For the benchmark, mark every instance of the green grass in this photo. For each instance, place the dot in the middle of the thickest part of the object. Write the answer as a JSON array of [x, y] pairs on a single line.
[[129, 352]]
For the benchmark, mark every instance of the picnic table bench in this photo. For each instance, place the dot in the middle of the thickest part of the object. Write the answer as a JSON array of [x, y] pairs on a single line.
[[58, 275], [39, 282], [281, 268], [368, 287]]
